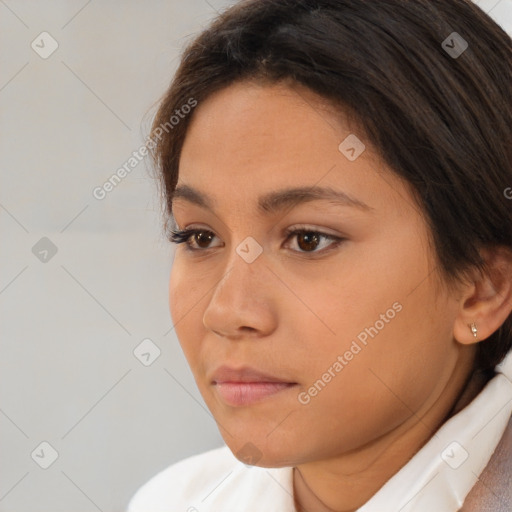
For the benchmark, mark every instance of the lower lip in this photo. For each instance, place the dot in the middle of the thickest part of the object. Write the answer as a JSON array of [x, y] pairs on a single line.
[[246, 393]]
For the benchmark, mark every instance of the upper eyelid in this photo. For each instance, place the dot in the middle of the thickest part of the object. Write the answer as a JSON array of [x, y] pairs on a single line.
[[289, 233]]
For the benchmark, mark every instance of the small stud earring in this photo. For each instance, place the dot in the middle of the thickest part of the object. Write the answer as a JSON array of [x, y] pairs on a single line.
[[474, 330]]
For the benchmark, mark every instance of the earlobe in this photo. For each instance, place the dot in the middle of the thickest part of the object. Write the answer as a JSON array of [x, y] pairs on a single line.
[[467, 334], [487, 302]]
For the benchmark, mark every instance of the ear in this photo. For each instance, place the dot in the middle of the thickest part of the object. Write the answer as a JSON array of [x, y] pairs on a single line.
[[486, 299]]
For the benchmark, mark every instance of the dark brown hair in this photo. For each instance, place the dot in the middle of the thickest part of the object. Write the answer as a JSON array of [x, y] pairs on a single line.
[[441, 121]]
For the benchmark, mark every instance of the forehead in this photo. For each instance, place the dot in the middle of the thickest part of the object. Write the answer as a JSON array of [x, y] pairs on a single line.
[[251, 120]]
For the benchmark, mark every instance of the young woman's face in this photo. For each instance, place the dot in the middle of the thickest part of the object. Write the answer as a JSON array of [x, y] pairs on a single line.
[[343, 339]]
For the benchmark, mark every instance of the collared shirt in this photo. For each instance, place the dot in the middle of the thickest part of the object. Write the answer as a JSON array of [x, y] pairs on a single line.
[[437, 478]]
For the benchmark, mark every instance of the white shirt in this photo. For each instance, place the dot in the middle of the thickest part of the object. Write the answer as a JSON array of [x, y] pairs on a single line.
[[437, 478]]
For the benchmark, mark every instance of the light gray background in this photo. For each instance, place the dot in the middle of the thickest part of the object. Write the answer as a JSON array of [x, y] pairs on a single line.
[[70, 324]]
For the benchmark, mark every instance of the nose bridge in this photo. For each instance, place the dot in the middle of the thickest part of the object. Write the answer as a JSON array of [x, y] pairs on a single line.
[[239, 298], [244, 269]]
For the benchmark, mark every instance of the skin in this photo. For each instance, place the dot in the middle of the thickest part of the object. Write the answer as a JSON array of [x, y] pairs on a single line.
[[291, 312]]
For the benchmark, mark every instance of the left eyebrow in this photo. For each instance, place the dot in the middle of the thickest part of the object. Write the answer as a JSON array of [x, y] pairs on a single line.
[[276, 201]]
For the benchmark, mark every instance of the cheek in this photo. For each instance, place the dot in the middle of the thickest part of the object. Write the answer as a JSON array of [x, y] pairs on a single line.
[[176, 306], [393, 332], [185, 308], [382, 385]]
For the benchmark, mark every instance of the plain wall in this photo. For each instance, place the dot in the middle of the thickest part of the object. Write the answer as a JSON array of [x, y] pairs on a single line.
[[83, 281]]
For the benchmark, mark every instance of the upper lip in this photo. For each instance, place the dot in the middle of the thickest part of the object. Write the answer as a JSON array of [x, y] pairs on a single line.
[[244, 374]]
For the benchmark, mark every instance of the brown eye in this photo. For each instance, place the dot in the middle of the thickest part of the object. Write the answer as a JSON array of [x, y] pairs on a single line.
[[203, 237], [308, 241], [193, 239]]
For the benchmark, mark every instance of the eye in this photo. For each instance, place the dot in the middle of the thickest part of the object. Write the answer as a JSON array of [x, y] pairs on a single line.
[[191, 237], [308, 240]]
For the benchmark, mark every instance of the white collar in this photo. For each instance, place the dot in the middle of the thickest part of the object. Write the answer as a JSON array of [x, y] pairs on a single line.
[[441, 474]]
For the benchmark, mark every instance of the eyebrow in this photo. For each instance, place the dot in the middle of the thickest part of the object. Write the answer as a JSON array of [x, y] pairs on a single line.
[[276, 201]]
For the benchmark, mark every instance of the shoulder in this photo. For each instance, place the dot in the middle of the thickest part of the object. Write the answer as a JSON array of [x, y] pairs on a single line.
[[206, 481], [493, 489], [182, 480]]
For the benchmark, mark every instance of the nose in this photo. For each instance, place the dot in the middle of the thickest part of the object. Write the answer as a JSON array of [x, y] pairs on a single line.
[[243, 301]]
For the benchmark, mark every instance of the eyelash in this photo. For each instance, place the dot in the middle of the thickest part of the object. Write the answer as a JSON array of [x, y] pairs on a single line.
[[185, 235]]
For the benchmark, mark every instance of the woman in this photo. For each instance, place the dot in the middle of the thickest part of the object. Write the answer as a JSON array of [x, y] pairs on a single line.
[[337, 178]]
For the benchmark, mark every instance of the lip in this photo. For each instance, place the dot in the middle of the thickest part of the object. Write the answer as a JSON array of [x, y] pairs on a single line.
[[246, 385], [244, 374]]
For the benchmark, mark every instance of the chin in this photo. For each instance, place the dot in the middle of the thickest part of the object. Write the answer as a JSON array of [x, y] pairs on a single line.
[[264, 454]]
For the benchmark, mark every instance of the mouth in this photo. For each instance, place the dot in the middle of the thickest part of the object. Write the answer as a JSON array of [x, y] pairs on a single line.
[[245, 386]]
